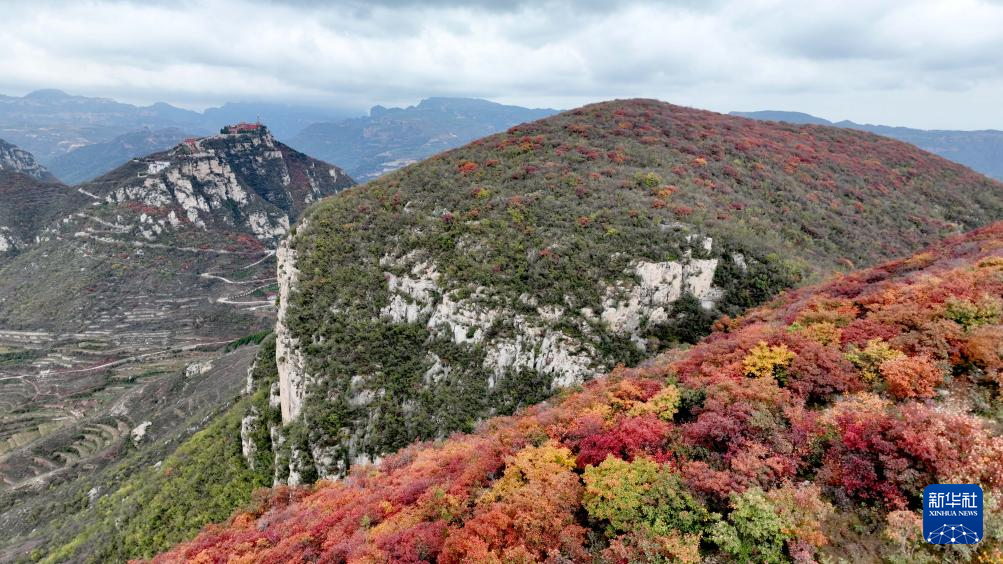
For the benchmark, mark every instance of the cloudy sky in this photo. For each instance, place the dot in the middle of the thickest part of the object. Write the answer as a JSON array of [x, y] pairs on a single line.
[[917, 63]]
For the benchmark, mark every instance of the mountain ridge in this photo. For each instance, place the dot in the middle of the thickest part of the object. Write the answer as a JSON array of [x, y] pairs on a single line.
[[390, 138], [981, 150], [90, 161]]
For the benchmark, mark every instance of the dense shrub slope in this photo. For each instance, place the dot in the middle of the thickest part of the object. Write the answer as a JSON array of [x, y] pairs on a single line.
[[808, 427], [483, 278]]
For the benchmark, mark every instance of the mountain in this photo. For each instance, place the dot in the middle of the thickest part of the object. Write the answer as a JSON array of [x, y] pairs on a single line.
[[805, 431], [90, 161], [476, 283], [390, 138], [156, 221], [30, 198], [789, 117], [13, 159], [488, 277], [980, 150], [51, 123], [131, 320]]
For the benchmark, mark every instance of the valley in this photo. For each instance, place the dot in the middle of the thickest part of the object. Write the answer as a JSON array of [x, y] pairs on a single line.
[[131, 308]]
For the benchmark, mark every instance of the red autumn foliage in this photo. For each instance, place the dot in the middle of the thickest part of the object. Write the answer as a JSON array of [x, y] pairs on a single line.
[[466, 167], [628, 438], [870, 442], [911, 376]]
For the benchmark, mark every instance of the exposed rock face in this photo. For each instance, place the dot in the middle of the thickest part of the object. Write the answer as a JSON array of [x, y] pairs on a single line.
[[17, 160], [7, 240], [247, 446], [536, 339], [658, 286], [139, 432], [535, 345], [289, 359], [247, 182]]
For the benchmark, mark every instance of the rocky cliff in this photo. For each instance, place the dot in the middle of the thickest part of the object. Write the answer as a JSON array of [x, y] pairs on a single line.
[[30, 200], [13, 159]]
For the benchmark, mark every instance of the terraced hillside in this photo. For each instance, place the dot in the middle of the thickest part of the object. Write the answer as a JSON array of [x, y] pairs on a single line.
[[804, 431], [487, 277], [116, 309]]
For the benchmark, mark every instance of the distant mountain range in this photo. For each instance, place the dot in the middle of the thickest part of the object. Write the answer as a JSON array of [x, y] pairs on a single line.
[[91, 161], [80, 138], [390, 138], [981, 150], [51, 123]]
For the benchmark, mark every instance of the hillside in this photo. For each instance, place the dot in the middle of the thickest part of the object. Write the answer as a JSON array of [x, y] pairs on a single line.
[[13, 159], [90, 161], [806, 429], [30, 199], [390, 138], [118, 320], [486, 278], [980, 150]]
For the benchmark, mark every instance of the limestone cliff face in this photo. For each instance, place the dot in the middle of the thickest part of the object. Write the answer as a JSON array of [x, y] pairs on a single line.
[[245, 182], [17, 160], [288, 357], [473, 332]]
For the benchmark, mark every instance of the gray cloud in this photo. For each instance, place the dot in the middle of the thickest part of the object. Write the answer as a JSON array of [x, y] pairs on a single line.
[[924, 63]]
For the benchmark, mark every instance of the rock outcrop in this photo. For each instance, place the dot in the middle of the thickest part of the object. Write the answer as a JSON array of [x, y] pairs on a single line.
[[14, 159], [288, 357]]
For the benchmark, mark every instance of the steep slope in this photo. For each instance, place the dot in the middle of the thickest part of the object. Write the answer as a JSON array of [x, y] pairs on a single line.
[[179, 226], [487, 277], [90, 161], [390, 138], [30, 199], [980, 150], [13, 159], [117, 312], [806, 429]]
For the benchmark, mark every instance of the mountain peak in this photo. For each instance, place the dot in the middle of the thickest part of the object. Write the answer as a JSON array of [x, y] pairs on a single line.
[[241, 180], [47, 94]]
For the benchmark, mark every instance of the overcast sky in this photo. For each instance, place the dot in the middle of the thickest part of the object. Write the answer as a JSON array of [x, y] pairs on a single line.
[[931, 64]]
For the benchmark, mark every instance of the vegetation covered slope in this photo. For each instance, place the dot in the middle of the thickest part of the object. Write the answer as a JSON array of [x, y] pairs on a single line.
[[980, 150], [485, 277], [807, 428], [29, 205]]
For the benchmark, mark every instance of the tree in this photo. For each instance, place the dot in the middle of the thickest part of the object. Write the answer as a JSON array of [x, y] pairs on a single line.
[[911, 376], [641, 495]]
